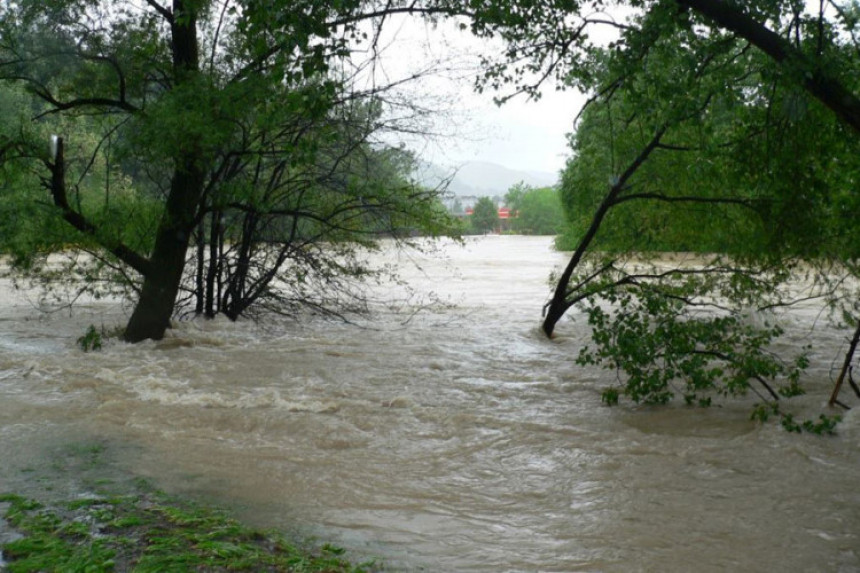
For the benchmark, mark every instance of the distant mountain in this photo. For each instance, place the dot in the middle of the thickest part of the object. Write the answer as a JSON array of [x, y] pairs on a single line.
[[481, 178]]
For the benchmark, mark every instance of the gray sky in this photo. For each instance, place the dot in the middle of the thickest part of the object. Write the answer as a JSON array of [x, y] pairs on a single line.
[[521, 134]]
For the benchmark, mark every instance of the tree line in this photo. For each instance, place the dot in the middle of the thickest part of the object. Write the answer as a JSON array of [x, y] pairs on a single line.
[[532, 211]]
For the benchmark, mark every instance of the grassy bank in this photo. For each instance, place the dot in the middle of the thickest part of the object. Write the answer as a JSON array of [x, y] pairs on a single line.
[[147, 531]]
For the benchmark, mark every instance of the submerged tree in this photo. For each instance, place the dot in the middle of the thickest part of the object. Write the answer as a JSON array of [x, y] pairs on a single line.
[[202, 104], [729, 89], [713, 125], [744, 176], [308, 220]]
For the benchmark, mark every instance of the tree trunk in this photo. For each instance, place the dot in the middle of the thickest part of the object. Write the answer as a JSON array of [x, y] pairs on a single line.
[[846, 366], [151, 316], [559, 303], [820, 83], [201, 263], [214, 271]]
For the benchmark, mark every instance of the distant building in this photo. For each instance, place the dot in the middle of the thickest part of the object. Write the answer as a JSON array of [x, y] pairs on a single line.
[[505, 217], [460, 206]]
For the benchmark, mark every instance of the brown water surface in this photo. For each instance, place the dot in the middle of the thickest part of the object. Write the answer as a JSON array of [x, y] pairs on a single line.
[[463, 440]]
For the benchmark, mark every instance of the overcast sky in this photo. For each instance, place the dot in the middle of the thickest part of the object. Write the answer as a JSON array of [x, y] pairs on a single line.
[[521, 134]]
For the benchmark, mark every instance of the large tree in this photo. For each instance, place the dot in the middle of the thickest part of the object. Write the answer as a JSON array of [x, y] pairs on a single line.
[[181, 92], [712, 185], [485, 216]]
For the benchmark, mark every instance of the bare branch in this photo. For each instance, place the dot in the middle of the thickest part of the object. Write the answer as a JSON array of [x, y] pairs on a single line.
[[686, 199]]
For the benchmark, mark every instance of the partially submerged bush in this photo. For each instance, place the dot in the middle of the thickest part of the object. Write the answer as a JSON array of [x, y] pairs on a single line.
[[681, 334]]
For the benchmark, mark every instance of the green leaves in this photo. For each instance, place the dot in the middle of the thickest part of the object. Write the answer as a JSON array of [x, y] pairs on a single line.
[[824, 425], [297, 40], [485, 216], [91, 340], [535, 211], [666, 347], [149, 532]]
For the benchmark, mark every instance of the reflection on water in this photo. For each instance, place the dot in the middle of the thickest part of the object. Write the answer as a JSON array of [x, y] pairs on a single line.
[[462, 441]]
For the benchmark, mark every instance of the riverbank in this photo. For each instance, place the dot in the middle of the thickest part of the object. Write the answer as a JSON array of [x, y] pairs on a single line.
[[147, 531], [83, 512]]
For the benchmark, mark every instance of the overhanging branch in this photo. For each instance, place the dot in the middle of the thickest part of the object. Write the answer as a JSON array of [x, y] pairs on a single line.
[[686, 199], [57, 186], [818, 82]]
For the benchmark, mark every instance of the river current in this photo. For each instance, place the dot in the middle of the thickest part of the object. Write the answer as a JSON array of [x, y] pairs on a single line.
[[457, 438]]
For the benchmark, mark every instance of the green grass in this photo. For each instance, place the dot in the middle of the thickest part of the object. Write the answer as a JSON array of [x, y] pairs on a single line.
[[150, 532]]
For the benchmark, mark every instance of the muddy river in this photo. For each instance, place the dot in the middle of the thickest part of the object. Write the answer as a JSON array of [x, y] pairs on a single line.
[[457, 438]]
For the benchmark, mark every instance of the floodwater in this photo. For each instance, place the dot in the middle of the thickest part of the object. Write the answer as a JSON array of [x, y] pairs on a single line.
[[455, 439]]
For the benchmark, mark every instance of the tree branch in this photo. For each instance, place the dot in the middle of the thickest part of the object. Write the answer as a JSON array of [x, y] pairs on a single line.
[[728, 359], [846, 366], [559, 304], [57, 186], [165, 12], [817, 81], [685, 199]]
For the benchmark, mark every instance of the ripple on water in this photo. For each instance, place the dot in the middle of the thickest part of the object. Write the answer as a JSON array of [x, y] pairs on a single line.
[[464, 442]]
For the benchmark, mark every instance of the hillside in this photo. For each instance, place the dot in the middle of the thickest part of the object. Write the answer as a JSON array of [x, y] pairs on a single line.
[[481, 178]]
